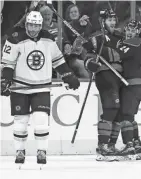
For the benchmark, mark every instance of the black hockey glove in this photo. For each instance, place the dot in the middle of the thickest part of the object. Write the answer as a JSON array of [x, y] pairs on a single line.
[[90, 63], [71, 80], [5, 84]]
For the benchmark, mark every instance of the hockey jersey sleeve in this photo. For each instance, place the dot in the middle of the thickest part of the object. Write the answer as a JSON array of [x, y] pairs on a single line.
[[57, 56], [58, 61], [9, 54], [127, 52]]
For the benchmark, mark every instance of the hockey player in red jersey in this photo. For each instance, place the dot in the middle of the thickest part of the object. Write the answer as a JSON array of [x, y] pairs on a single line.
[[130, 95], [28, 58]]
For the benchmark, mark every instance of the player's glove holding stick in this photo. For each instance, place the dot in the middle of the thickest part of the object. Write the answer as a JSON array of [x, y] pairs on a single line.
[[5, 87], [91, 63], [6, 81]]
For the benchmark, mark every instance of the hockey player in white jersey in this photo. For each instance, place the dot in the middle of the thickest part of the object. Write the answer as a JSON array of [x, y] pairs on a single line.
[[28, 58]]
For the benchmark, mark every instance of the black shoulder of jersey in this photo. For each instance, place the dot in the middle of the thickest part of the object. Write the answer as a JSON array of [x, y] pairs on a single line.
[[17, 35], [46, 34]]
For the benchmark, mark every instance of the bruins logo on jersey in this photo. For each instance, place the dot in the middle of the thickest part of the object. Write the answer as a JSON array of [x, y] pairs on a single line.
[[35, 60]]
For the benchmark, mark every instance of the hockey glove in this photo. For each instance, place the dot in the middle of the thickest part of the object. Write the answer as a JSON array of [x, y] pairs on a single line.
[[90, 63], [5, 85], [71, 80]]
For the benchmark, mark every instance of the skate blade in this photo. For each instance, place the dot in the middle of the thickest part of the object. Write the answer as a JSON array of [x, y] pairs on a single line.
[[19, 165], [127, 158], [41, 166], [101, 158]]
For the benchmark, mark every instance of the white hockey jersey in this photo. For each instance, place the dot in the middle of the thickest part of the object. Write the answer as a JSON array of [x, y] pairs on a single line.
[[31, 59]]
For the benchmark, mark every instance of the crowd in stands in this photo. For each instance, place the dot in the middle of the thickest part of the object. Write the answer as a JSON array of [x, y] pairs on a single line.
[[83, 17]]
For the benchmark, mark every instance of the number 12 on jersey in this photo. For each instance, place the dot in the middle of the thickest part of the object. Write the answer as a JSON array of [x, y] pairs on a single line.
[[7, 49]]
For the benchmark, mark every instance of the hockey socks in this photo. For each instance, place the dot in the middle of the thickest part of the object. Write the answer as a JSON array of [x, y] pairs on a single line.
[[41, 138], [135, 130], [104, 131], [127, 131], [115, 132], [20, 131]]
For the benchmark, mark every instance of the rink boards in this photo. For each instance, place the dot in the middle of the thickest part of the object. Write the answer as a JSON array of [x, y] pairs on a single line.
[[65, 108]]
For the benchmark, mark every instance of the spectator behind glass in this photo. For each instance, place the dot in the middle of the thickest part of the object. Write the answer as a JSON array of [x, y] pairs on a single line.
[[48, 23], [138, 17], [73, 50]]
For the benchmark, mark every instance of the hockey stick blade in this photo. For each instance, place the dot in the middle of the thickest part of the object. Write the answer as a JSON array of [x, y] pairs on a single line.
[[135, 42]]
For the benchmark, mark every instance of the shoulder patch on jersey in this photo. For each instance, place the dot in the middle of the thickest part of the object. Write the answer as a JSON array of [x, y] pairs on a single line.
[[15, 34]]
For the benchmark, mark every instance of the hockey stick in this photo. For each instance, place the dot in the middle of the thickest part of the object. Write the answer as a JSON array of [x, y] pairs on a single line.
[[82, 108], [73, 1], [109, 4], [100, 58], [35, 87], [49, 3], [32, 7], [114, 71], [86, 96]]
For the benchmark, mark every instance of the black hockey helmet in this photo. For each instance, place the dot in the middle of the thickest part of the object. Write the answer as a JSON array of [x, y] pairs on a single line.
[[105, 13], [133, 24]]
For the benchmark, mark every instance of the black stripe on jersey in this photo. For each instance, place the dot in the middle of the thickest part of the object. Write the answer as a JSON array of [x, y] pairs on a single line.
[[3, 63], [41, 135], [20, 136], [24, 83], [57, 59]]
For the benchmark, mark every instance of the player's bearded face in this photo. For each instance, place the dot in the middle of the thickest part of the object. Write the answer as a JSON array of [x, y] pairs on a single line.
[[130, 32], [110, 23], [33, 29], [74, 13]]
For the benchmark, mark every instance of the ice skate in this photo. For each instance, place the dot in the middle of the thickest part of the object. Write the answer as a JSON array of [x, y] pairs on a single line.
[[105, 153], [137, 145], [127, 153], [41, 158], [20, 157], [113, 148]]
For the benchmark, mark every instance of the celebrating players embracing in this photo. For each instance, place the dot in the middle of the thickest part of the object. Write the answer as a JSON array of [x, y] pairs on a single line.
[[131, 95]]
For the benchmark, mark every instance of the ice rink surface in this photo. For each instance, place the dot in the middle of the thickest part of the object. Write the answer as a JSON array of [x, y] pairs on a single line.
[[69, 167]]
